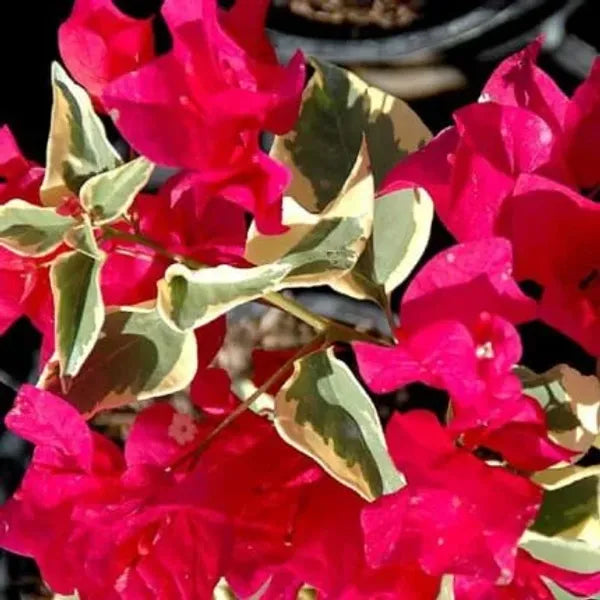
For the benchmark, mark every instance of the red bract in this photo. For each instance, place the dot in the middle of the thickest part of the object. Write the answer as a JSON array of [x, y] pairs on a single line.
[[464, 281], [584, 130], [448, 338], [202, 105], [566, 226], [70, 465], [24, 286], [293, 520], [25, 291], [527, 583], [128, 531], [185, 222], [19, 177], [98, 43], [523, 125], [455, 336], [457, 515]]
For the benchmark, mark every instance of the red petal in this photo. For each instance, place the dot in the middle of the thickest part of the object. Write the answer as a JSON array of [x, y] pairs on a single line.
[[517, 81], [98, 43], [464, 280]]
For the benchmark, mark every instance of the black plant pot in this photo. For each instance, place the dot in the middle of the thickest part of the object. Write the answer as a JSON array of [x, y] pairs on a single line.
[[443, 26]]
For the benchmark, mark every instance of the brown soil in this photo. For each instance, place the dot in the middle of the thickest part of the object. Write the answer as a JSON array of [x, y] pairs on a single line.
[[383, 13]]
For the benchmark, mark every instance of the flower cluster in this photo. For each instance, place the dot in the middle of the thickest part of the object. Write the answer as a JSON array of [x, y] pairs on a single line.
[[310, 493]]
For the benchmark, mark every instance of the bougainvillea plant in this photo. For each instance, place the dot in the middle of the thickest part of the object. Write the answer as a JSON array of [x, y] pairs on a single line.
[[290, 485]]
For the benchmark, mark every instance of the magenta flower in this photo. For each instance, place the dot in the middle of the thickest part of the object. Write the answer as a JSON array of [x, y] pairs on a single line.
[[99, 43], [457, 515], [201, 106]]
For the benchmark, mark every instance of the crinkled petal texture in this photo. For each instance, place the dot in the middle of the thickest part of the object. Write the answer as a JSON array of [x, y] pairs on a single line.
[[561, 252], [522, 125], [527, 583], [202, 105], [128, 528], [457, 515], [449, 340], [583, 127], [70, 465], [186, 220], [98, 44], [24, 285]]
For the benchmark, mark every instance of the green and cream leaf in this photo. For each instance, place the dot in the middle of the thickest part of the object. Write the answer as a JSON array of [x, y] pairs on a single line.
[[571, 504], [137, 357], [324, 412], [338, 110], [573, 555], [77, 146], [188, 299], [81, 238], [78, 307], [105, 197], [31, 230], [571, 402], [401, 229]]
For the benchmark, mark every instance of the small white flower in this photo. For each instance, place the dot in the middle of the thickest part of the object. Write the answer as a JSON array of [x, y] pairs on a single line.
[[182, 429], [485, 351]]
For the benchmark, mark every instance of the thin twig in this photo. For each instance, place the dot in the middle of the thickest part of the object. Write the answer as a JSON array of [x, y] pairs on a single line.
[[315, 344], [138, 238]]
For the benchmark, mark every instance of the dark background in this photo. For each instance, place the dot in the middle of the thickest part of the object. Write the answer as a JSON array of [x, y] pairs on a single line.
[[27, 46]]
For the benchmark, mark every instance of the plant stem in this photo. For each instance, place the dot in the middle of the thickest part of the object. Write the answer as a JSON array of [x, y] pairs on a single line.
[[299, 311], [138, 238], [318, 343], [335, 331], [389, 315]]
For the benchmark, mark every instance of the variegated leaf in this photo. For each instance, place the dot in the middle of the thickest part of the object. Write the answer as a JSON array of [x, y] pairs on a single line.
[[31, 230], [401, 230], [81, 237], [324, 412], [446, 588], [338, 110], [571, 505], [137, 356], [573, 555], [77, 146], [188, 299], [355, 200], [110, 194], [78, 307], [571, 402], [568, 554]]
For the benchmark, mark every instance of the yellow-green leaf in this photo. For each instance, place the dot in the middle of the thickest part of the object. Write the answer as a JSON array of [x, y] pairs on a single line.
[[110, 194], [401, 230], [77, 147], [355, 200], [338, 110], [188, 299], [573, 555], [31, 230], [324, 412], [81, 237], [137, 356], [78, 308], [571, 402], [446, 588], [571, 504]]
